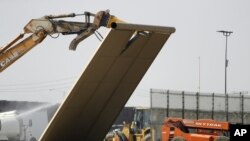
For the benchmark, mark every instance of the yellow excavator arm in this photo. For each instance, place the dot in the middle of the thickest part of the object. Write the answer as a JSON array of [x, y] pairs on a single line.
[[9, 56], [47, 25]]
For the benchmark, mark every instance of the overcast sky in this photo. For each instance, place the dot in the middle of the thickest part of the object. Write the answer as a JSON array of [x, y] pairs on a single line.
[[48, 71]]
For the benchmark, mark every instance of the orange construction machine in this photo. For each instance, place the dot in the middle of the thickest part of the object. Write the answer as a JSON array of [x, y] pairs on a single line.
[[177, 129]]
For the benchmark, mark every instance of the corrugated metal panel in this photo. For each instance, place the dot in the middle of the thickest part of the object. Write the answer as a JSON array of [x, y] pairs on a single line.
[[105, 86]]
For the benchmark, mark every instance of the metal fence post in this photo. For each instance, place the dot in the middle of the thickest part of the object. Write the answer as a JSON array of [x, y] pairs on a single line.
[[213, 106], [197, 105], [242, 108], [151, 97], [167, 103], [226, 107], [183, 105]]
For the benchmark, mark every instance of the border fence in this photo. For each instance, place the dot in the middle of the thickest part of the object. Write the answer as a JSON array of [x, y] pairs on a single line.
[[234, 108]]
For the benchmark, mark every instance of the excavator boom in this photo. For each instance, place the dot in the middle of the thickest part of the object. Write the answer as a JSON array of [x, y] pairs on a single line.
[[7, 57], [47, 25]]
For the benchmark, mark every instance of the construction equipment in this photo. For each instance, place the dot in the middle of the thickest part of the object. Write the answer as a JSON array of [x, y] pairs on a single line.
[[177, 129], [47, 25], [129, 133], [137, 130], [104, 87]]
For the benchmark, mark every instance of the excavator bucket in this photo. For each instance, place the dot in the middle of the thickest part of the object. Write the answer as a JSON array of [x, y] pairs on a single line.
[[106, 84]]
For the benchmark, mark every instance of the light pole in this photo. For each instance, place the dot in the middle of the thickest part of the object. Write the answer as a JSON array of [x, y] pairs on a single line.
[[226, 34]]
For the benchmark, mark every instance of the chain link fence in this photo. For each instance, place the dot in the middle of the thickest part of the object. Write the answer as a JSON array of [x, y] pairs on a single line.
[[234, 108]]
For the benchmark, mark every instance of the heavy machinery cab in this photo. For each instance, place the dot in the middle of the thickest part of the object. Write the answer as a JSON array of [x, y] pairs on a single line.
[[141, 118]]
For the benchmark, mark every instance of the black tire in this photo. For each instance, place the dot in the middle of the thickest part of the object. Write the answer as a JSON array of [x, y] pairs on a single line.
[[178, 139], [148, 137], [121, 136], [222, 138], [109, 136]]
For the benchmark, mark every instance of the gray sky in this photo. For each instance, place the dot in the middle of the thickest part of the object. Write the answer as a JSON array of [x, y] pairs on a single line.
[[48, 71]]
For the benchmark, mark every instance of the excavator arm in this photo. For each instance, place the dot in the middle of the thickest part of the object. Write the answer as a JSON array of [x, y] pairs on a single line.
[[9, 56], [47, 25]]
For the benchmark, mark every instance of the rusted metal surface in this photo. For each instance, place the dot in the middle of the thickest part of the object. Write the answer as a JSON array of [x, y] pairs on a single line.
[[54, 26]]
